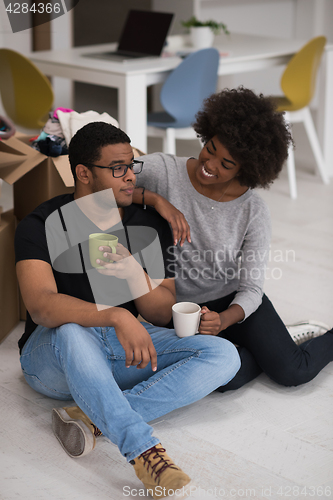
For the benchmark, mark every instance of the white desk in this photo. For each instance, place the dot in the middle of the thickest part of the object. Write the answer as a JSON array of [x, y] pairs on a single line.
[[246, 53]]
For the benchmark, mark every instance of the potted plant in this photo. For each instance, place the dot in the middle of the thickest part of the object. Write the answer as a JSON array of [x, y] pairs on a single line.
[[202, 32]]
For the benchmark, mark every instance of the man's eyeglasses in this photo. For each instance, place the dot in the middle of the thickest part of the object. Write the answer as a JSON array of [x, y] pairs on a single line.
[[121, 169]]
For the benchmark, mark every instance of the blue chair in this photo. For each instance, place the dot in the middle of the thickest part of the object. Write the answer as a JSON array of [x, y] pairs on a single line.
[[182, 96]]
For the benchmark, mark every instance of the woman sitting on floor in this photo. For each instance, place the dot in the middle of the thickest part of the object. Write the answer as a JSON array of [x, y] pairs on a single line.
[[224, 230]]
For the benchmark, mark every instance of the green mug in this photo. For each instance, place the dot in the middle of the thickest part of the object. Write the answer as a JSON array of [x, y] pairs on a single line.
[[97, 240]]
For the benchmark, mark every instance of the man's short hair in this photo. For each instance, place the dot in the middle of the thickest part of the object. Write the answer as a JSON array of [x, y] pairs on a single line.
[[87, 143]]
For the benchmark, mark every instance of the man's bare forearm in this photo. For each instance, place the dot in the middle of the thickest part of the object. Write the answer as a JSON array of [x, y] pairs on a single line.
[[156, 306], [56, 309]]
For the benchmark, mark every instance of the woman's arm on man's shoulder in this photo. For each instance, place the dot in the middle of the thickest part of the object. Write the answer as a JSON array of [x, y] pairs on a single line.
[[179, 225]]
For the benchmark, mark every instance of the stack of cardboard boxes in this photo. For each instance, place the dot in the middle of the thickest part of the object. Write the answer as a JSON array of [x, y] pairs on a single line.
[[35, 179]]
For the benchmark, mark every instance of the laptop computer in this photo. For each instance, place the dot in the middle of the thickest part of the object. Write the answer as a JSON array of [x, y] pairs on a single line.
[[143, 35]]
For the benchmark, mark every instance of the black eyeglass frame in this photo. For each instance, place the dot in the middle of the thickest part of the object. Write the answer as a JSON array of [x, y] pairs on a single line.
[[131, 166]]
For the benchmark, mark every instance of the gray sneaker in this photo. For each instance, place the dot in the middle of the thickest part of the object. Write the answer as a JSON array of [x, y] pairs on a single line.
[[74, 431], [306, 330]]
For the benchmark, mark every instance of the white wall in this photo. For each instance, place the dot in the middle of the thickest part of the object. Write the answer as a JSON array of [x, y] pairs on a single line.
[[295, 19], [313, 18], [260, 17], [17, 41], [62, 38], [282, 18], [183, 9]]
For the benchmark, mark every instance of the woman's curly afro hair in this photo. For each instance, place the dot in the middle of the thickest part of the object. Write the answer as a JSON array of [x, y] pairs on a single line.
[[247, 125]]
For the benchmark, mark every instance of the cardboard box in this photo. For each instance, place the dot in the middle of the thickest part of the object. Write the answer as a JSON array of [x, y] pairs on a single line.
[[9, 294], [36, 177]]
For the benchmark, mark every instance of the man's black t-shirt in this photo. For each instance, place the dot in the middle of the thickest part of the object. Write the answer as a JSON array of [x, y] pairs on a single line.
[[31, 242]]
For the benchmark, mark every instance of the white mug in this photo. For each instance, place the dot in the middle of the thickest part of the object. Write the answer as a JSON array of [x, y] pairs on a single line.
[[186, 318]]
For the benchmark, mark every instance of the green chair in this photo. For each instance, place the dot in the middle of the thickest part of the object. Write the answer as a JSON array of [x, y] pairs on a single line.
[[26, 93], [298, 84]]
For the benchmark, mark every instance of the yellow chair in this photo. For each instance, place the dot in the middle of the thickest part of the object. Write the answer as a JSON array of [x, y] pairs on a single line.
[[26, 93], [298, 84]]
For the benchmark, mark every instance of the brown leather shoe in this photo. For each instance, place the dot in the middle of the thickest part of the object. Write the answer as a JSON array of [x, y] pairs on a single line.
[[74, 430], [160, 475]]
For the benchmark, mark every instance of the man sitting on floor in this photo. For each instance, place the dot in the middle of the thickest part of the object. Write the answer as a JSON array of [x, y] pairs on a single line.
[[82, 339]]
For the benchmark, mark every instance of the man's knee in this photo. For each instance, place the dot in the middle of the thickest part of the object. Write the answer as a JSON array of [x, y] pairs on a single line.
[[231, 357], [71, 334], [223, 354], [68, 329]]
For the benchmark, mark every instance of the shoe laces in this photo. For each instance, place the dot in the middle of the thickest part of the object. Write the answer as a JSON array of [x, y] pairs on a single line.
[[96, 431], [299, 338], [152, 454]]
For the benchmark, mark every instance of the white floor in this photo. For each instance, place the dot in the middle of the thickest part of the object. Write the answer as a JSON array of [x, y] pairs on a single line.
[[262, 441]]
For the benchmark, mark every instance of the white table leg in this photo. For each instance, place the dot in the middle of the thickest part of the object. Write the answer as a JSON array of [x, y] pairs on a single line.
[[325, 111], [63, 89], [132, 110]]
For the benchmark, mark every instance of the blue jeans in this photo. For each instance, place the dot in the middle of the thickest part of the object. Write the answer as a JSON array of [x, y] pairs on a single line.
[[88, 365]]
